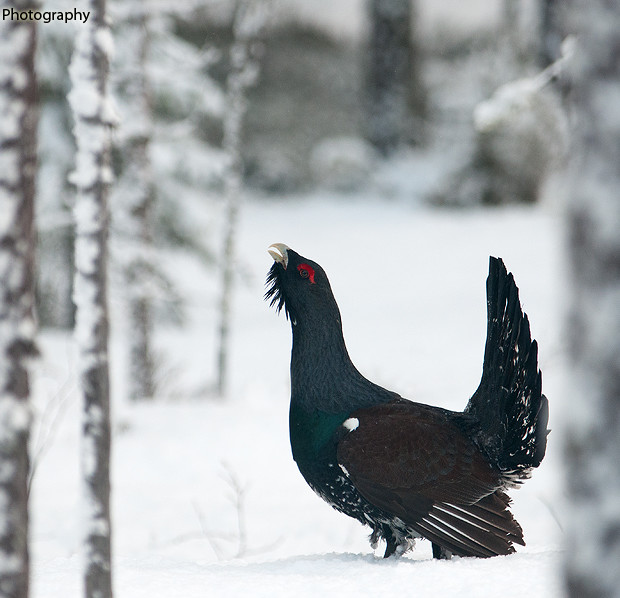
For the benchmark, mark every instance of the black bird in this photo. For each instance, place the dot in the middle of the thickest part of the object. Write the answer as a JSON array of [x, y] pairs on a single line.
[[406, 469]]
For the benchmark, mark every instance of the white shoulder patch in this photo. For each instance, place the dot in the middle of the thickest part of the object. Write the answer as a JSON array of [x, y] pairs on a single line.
[[351, 424]]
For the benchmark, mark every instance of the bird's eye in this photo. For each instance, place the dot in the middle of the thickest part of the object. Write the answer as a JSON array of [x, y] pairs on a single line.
[[306, 271]]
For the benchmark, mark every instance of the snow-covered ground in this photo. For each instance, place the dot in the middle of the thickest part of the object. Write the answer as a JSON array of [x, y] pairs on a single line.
[[207, 499]]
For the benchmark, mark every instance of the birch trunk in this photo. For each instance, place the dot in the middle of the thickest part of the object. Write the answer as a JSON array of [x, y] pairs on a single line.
[[17, 324], [92, 176]]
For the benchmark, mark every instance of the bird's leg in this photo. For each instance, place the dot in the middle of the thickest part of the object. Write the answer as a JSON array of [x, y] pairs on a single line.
[[391, 546], [439, 552], [374, 539], [396, 544], [391, 542]]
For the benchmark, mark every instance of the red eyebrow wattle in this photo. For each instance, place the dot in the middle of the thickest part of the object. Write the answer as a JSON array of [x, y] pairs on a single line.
[[308, 269]]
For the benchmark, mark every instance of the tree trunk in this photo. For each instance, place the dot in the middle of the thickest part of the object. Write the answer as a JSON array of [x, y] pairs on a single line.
[[17, 325], [232, 195], [250, 17], [394, 89], [593, 438], [138, 198], [511, 29], [92, 176], [550, 38]]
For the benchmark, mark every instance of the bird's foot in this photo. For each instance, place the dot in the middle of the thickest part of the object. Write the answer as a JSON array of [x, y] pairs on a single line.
[[439, 552]]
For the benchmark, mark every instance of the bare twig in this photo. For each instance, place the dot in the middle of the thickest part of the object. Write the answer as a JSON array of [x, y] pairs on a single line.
[[49, 423], [241, 549], [237, 498]]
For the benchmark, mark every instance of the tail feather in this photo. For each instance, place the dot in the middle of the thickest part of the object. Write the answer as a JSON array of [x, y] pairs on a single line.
[[509, 405]]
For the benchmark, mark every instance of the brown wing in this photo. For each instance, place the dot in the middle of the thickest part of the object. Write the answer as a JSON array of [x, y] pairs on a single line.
[[412, 461]]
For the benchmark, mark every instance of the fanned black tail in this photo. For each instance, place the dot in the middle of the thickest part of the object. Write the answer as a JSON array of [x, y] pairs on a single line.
[[509, 403]]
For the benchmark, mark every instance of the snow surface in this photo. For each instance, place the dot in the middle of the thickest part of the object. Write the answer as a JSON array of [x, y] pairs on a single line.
[[207, 500]]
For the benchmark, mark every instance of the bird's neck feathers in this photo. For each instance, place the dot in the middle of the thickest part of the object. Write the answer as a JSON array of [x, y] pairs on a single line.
[[319, 360], [323, 376]]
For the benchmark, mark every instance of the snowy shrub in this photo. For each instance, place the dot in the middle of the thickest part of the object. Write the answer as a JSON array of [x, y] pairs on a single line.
[[342, 163], [520, 136]]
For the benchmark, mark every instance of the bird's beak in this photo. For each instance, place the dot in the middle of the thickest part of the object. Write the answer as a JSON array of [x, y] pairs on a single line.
[[279, 252]]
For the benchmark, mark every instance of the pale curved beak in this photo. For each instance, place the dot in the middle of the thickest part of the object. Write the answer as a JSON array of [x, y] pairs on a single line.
[[279, 252]]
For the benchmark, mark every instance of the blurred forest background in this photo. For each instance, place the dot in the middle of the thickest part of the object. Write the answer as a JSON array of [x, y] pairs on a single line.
[[317, 109], [219, 108]]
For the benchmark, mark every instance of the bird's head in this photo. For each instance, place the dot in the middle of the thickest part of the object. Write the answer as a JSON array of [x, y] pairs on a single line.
[[298, 285]]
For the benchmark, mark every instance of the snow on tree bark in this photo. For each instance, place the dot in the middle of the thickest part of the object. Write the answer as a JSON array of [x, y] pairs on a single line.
[[249, 19], [93, 120], [593, 438], [18, 126]]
